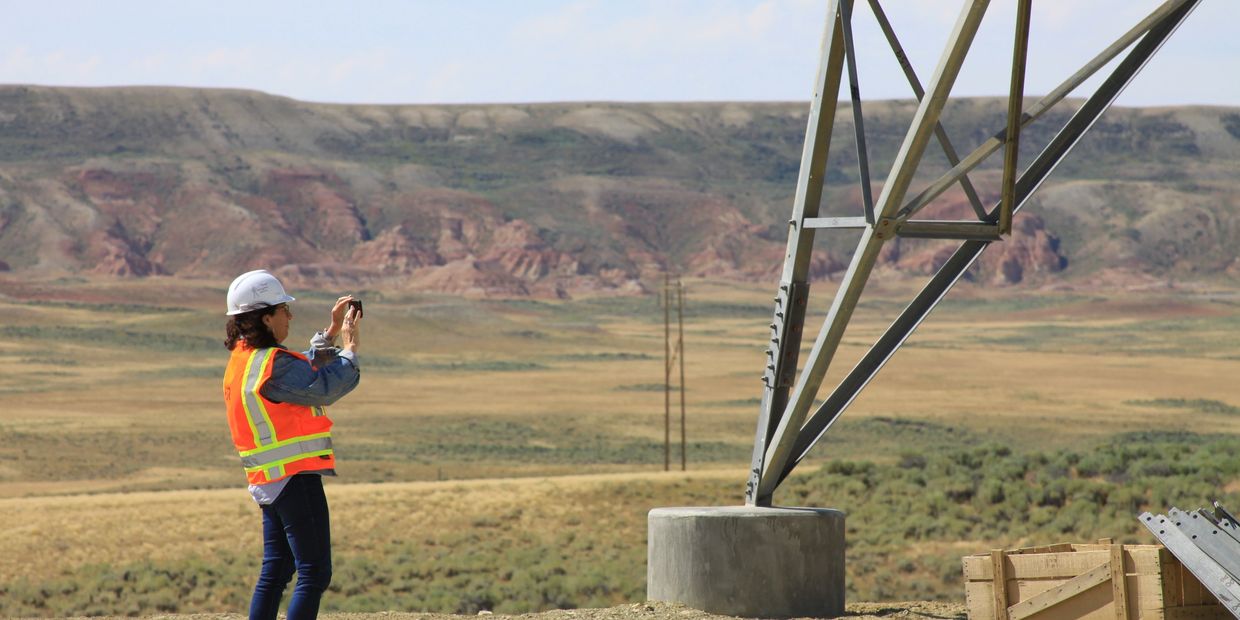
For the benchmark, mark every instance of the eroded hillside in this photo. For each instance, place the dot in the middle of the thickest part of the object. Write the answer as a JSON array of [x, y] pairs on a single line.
[[559, 199]]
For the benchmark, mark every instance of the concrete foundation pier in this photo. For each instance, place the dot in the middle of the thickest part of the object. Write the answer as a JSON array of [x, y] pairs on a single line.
[[748, 561]]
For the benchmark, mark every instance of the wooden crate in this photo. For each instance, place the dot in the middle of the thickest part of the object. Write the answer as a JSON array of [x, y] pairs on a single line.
[[1085, 581]]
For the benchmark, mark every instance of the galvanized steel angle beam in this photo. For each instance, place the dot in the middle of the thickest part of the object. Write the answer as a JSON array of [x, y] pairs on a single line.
[[979, 154], [854, 90], [1221, 513], [911, 75], [801, 239], [835, 222], [938, 229], [866, 255], [785, 332], [1218, 581], [1016, 94], [784, 434], [1208, 537], [959, 262], [1220, 520]]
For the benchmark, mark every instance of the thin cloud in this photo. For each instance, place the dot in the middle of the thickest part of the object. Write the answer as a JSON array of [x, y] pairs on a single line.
[[226, 59], [568, 20], [21, 65], [371, 63], [581, 49]]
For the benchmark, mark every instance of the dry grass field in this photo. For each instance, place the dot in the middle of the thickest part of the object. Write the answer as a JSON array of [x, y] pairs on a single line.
[[501, 454]]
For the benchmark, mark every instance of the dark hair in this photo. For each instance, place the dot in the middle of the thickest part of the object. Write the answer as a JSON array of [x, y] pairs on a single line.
[[249, 326]]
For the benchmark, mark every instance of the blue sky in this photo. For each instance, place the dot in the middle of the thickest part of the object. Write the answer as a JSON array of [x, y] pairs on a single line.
[[491, 51]]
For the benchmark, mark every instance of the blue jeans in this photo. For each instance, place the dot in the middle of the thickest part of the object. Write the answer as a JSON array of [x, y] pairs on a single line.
[[296, 538]]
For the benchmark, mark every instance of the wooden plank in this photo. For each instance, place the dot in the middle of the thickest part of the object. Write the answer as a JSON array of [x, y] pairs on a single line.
[[1094, 577], [1194, 592], [980, 599], [1144, 561], [1144, 598], [1141, 595], [1093, 604], [1090, 547], [1119, 583], [1040, 566], [998, 569], [1145, 595], [1173, 589], [976, 567], [1199, 612], [1055, 548]]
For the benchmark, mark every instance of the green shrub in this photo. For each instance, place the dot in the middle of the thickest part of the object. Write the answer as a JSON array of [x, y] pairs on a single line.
[[906, 520]]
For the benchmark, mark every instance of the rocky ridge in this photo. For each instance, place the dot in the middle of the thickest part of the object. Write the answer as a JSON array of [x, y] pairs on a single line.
[[554, 199]]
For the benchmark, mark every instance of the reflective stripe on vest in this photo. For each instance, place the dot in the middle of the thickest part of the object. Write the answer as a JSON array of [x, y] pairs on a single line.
[[286, 451], [255, 411]]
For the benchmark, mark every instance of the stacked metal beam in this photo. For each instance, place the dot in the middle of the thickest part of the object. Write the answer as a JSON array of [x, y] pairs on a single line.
[[1207, 544]]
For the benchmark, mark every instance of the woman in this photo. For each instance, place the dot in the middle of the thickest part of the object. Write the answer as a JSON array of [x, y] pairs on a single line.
[[275, 399]]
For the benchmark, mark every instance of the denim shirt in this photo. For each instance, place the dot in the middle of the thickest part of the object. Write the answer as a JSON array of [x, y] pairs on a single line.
[[330, 375]]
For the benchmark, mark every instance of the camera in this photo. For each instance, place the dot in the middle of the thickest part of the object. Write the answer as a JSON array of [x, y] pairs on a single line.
[[357, 307]]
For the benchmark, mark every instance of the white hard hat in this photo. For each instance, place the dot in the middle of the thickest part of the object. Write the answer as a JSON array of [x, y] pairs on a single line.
[[255, 290]]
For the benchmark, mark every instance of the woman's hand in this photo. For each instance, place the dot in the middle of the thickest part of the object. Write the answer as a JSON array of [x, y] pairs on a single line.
[[350, 328], [338, 312]]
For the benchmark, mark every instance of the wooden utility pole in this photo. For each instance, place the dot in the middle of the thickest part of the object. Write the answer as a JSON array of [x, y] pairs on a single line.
[[667, 373], [671, 356], [680, 350]]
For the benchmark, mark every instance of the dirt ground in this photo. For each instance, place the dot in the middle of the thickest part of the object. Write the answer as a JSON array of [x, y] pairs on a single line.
[[641, 611]]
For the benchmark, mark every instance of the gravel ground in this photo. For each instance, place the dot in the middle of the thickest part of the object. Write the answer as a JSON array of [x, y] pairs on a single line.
[[640, 611]]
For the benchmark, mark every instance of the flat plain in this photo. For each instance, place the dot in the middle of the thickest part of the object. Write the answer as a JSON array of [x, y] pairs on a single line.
[[501, 454]]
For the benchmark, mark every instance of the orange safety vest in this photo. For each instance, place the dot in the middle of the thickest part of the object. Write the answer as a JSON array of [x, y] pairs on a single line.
[[275, 440]]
